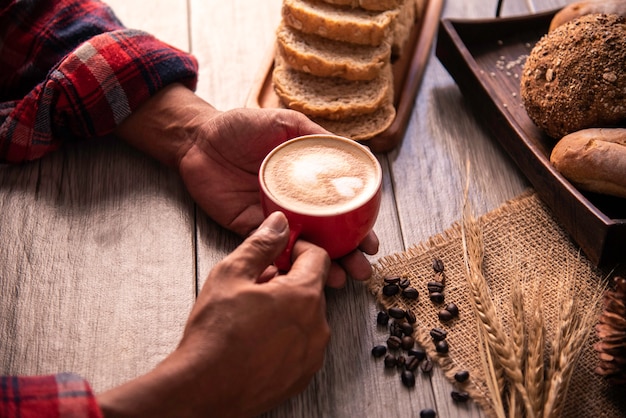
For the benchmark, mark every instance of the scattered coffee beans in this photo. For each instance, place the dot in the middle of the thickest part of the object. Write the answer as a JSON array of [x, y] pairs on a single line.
[[426, 365], [390, 361], [408, 378], [438, 265], [412, 363], [407, 329], [400, 361], [395, 329], [392, 280], [442, 347], [435, 287], [410, 316], [436, 297], [404, 283], [394, 342], [460, 396], [397, 313], [438, 334], [418, 352], [382, 318], [391, 289], [410, 293], [445, 315], [428, 413], [379, 351], [453, 309], [407, 342], [461, 376]]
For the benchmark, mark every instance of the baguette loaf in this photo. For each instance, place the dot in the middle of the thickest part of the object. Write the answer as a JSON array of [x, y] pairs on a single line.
[[357, 26], [330, 97], [375, 5], [327, 58], [575, 10], [593, 159]]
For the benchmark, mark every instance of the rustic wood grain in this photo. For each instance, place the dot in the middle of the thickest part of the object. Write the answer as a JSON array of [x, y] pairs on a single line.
[[102, 250]]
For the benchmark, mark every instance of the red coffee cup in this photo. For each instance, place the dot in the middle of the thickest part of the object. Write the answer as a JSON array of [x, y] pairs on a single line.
[[328, 186]]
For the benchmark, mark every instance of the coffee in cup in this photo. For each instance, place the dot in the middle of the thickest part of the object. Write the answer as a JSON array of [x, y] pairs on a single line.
[[329, 187]]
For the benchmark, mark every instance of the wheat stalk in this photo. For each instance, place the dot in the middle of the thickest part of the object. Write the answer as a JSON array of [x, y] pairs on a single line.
[[534, 378], [518, 339], [498, 341], [573, 330]]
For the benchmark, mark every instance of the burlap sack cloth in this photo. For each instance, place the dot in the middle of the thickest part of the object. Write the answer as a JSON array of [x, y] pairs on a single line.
[[522, 241]]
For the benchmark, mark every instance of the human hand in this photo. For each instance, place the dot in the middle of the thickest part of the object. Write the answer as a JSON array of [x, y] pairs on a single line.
[[218, 155], [251, 341]]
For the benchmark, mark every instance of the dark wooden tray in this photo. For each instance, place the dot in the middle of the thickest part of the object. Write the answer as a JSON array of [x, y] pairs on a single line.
[[486, 57], [408, 71]]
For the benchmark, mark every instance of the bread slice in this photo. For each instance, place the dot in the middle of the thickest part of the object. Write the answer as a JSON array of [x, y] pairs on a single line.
[[330, 97], [327, 58], [403, 24], [357, 26], [375, 5], [362, 127]]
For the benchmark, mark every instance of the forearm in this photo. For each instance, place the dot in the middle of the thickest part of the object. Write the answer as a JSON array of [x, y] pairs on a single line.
[[167, 125]]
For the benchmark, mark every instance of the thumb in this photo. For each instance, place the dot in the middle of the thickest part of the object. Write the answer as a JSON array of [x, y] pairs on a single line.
[[260, 249]]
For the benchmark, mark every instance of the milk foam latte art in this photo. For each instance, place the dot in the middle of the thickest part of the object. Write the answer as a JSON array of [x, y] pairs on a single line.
[[321, 175]]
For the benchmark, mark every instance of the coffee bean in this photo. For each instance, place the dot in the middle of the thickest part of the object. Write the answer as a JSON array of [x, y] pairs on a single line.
[[435, 287], [391, 289], [426, 365], [397, 313], [412, 363], [460, 396], [404, 283], [428, 413], [400, 361], [461, 376], [436, 297], [438, 265], [410, 293], [408, 378], [418, 352], [396, 329], [382, 318], [394, 342], [407, 329], [410, 316], [392, 280], [438, 334], [445, 315], [442, 347], [407, 342], [379, 351], [453, 309], [390, 361]]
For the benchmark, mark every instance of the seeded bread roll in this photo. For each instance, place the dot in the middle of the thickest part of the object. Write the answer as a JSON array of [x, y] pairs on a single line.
[[327, 58], [330, 97], [375, 5], [593, 159], [357, 26], [575, 76], [582, 8]]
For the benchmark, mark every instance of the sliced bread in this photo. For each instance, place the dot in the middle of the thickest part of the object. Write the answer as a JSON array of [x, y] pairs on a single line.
[[330, 97], [403, 24], [357, 26], [362, 127], [327, 58], [376, 5]]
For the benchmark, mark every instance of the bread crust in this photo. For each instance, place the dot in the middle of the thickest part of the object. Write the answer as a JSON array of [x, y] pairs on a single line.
[[575, 76], [575, 10], [375, 5], [593, 159]]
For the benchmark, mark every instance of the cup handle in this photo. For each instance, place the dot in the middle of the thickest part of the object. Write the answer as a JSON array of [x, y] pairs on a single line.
[[283, 262]]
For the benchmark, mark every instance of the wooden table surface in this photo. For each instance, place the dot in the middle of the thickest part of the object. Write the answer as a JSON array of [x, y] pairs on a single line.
[[102, 251]]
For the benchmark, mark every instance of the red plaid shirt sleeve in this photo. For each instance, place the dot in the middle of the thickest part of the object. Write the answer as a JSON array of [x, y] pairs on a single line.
[[62, 395], [69, 70]]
